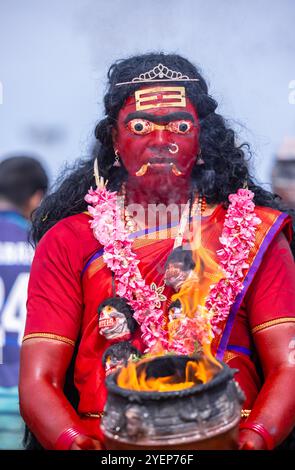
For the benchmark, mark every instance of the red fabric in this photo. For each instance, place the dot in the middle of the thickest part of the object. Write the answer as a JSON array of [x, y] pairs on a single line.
[[59, 303], [271, 296], [273, 289], [55, 300]]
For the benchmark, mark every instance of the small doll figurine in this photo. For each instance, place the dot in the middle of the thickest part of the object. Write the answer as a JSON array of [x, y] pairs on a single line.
[[179, 267], [176, 319], [182, 329], [115, 319], [118, 355]]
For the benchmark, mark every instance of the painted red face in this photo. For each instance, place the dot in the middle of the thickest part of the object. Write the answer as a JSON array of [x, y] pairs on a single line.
[[159, 140]]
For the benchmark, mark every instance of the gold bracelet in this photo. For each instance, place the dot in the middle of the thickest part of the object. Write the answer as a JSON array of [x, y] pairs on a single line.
[[245, 413], [92, 415]]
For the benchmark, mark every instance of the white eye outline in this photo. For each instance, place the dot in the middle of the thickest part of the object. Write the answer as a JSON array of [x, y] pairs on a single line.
[[147, 126], [173, 126]]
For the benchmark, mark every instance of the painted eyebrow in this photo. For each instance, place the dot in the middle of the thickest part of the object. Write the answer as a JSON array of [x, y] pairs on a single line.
[[159, 119]]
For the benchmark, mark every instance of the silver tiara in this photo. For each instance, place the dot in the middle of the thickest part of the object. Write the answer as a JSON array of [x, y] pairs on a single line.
[[160, 73]]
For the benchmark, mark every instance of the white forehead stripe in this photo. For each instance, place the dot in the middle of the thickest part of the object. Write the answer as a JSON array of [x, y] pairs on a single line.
[[160, 97]]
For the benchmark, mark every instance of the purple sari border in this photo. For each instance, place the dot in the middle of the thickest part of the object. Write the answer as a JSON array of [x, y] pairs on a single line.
[[247, 281], [239, 349], [131, 236], [96, 255]]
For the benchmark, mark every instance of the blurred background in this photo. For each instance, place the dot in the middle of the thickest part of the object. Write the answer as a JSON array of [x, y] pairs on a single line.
[[54, 58]]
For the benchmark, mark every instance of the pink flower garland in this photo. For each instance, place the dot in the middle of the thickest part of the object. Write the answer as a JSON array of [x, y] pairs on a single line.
[[109, 229], [237, 238]]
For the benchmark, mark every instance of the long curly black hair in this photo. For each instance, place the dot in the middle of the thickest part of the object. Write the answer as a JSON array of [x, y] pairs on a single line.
[[225, 167]]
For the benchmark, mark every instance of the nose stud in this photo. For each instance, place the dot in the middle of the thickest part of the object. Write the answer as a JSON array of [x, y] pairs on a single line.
[[173, 148]]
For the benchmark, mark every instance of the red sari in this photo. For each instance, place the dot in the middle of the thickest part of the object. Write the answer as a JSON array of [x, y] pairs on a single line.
[[69, 280]]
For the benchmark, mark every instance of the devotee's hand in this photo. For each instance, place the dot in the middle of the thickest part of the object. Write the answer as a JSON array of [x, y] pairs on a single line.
[[250, 440], [83, 442]]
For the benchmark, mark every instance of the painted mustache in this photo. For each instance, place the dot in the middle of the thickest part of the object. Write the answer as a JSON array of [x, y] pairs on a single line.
[[144, 168]]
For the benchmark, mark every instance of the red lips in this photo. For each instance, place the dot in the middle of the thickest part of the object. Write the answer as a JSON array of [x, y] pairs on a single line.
[[106, 322]]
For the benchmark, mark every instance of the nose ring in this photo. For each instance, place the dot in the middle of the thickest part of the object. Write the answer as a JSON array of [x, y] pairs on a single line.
[[173, 148]]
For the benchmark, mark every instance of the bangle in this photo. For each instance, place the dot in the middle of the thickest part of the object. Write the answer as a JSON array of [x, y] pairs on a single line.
[[260, 429], [65, 440]]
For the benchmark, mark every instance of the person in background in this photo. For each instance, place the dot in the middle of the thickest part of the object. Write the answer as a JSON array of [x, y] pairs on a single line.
[[23, 183], [283, 173]]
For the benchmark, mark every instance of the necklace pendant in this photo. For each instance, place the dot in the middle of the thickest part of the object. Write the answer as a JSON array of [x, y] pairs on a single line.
[[158, 290]]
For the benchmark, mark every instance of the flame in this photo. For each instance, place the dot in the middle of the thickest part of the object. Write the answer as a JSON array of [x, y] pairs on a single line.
[[194, 290], [133, 377], [208, 353]]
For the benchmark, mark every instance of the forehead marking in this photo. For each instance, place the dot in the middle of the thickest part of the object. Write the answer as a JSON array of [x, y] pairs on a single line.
[[160, 97]]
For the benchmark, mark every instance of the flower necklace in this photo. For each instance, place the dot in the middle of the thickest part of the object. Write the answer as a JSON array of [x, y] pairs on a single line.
[[237, 239], [109, 229]]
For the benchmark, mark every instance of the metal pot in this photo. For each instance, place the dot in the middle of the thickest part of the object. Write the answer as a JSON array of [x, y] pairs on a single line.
[[205, 416]]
